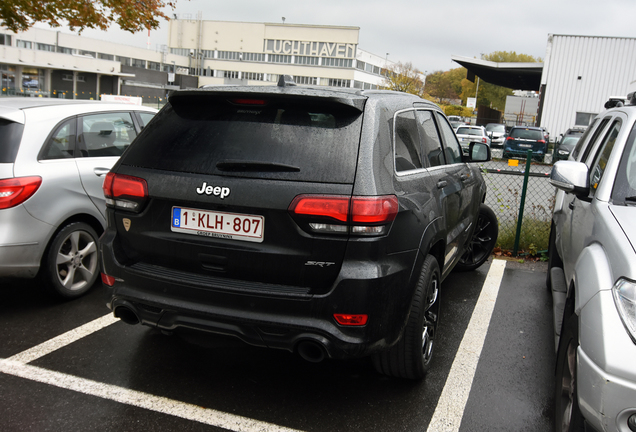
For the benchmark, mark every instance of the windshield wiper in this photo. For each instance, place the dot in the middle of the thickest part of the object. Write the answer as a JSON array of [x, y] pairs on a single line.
[[255, 166]]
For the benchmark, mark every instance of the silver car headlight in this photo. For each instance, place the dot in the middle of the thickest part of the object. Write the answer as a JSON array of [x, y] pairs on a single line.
[[624, 292]]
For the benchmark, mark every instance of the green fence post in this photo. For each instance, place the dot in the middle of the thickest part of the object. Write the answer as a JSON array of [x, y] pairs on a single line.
[[526, 175]]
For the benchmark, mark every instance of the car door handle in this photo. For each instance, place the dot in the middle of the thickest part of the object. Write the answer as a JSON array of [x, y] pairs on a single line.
[[441, 184], [571, 205], [100, 172], [464, 177]]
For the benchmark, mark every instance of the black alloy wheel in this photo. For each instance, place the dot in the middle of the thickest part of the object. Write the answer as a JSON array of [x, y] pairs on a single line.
[[411, 357], [482, 241]]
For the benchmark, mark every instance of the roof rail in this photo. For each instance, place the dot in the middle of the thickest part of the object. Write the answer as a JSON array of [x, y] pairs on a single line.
[[615, 101]]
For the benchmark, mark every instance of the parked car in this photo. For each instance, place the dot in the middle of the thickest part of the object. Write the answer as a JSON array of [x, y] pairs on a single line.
[[456, 124], [523, 138], [497, 134], [566, 146], [54, 154], [592, 276], [320, 221], [572, 132], [471, 134]]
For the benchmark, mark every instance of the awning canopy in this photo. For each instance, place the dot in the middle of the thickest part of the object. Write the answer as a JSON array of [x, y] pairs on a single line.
[[517, 76]]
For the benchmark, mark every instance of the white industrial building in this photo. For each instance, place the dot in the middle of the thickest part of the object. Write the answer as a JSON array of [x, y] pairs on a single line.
[[42, 62], [580, 73]]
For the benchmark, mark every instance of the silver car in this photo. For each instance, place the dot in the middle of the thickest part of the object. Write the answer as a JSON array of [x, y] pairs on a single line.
[[468, 134], [54, 154], [592, 276]]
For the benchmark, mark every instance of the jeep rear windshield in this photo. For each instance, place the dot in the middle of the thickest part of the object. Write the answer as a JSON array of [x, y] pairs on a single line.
[[275, 138], [10, 137]]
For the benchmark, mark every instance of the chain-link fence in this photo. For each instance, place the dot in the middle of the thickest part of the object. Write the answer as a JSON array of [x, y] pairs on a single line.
[[505, 192]]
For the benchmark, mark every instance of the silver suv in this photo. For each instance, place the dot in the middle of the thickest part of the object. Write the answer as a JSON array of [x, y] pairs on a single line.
[[54, 154], [592, 275]]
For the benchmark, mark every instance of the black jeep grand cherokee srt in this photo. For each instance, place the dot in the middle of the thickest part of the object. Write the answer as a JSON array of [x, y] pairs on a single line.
[[315, 220]]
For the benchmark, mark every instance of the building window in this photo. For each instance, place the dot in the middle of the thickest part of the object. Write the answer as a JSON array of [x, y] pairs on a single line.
[[32, 79], [138, 63], [253, 76], [335, 82], [360, 65], [154, 66], [5, 39], [230, 74], [45, 47], [123, 60], [305, 60], [88, 53], [337, 62], [255, 57], [180, 51], [583, 119], [279, 58], [305, 80], [64, 50], [228, 55], [23, 44], [106, 56]]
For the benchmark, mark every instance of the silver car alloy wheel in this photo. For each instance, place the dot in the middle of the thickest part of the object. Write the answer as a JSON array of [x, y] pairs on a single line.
[[76, 260]]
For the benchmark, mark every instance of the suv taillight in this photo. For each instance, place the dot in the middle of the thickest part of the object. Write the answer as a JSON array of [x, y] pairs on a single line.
[[125, 192], [15, 191], [341, 214]]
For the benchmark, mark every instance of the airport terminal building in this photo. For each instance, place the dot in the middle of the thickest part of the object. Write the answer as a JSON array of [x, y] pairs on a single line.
[[49, 63]]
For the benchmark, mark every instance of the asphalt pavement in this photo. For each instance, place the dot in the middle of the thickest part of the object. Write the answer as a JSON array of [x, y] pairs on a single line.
[[70, 366]]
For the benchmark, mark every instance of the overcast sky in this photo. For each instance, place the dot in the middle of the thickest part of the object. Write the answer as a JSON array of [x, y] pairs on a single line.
[[423, 32]]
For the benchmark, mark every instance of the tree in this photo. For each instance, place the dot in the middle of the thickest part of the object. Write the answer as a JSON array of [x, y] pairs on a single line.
[[405, 78], [130, 15], [445, 86]]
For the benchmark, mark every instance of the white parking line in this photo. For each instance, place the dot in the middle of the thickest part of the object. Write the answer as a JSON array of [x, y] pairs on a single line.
[[450, 406], [64, 339], [139, 399]]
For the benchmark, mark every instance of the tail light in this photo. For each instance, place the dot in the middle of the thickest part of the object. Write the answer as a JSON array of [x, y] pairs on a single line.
[[541, 141], [125, 192], [15, 191], [342, 214], [484, 140]]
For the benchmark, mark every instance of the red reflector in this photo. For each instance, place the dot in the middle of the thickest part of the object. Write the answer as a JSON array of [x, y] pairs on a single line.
[[119, 185], [336, 207], [108, 280], [351, 320], [374, 210], [15, 191], [249, 101]]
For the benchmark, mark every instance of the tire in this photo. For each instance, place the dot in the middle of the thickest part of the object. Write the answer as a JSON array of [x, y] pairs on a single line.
[[567, 416], [71, 262], [411, 357], [482, 241], [554, 260]]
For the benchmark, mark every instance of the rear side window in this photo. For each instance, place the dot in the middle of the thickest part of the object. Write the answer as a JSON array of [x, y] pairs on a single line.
[[305, 140], [145, 117], [61, 143], [528, 134], [452, 149], [106, 134], [407, 142], [431, 144], [10, 137], [602, 157]]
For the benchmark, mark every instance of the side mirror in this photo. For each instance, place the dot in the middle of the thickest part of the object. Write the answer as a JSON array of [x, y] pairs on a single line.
[[571, 177], [478, 152]]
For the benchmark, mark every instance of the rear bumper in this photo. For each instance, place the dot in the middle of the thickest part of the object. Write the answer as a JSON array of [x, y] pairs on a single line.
[[268, 315]]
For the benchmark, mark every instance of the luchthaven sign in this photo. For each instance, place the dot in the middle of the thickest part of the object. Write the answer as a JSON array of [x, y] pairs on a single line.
[[309, 48]]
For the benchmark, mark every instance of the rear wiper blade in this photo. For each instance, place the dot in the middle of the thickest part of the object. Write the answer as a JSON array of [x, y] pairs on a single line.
[[255, 166]]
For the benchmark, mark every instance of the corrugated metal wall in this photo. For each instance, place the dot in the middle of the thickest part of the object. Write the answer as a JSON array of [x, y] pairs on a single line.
[[580, 73]]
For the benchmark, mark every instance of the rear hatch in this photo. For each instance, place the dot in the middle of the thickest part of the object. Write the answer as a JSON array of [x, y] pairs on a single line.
[[222, 169]]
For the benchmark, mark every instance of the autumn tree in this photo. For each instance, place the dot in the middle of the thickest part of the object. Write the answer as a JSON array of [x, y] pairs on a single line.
[[405, 78], [447, 85], [130, 15]]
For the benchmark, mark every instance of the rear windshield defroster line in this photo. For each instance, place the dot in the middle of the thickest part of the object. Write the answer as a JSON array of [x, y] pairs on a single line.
[[302, 140]]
